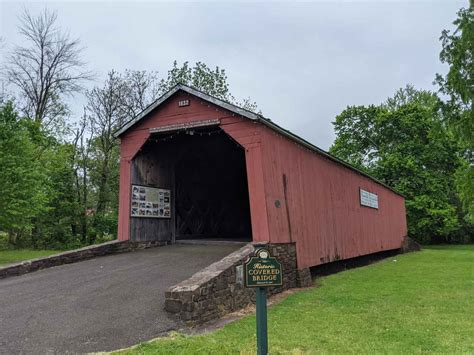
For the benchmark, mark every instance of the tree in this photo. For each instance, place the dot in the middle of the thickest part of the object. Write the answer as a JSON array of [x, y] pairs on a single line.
[[21, 180], [56, 225], [46, 70], [80, 165], [142, 88], [107, 110], [458, 84], [109, 107], [200, 77], [210, 81], [356, 141], [405, 144]]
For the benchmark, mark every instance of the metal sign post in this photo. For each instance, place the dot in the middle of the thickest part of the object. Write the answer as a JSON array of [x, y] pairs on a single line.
[[262, 331], [262, 271]]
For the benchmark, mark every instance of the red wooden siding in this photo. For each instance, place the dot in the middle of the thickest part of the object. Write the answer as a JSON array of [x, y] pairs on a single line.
[[324, 216], [245, 132], [320, 211]]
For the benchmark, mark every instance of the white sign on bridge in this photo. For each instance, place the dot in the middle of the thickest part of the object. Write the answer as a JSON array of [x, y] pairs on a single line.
[[369, 199]]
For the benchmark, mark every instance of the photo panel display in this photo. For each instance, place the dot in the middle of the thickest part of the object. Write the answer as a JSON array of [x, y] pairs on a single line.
[[150, 202]]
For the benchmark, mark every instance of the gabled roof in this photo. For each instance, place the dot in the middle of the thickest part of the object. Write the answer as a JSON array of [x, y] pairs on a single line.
[[192, 91], [244, 113]]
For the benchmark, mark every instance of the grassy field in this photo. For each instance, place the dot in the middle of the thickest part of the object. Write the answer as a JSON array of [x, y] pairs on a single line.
[[14, 256], [412, 303]]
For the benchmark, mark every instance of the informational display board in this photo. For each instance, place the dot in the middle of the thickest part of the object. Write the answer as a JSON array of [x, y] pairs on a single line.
[[369, 199], [150, 202]]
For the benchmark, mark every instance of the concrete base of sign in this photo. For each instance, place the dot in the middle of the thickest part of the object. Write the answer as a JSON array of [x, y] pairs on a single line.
[[218, 289]]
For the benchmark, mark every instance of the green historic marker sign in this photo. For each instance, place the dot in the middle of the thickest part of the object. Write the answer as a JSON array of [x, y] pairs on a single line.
[[262, 270]]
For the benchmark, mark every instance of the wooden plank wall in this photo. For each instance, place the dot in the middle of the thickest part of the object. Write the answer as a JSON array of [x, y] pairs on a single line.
[[152, 167], [132, 141], [243, 131], [248, 135], [295, 194], [320, 209]]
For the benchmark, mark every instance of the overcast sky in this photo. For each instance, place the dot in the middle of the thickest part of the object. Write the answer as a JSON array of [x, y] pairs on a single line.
[[303, 63]]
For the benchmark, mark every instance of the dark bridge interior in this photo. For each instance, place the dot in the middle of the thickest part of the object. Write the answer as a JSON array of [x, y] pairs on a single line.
[[206, 172]]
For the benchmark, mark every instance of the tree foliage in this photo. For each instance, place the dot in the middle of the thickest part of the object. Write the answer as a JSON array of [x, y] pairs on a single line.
[[57, 225], [201, 77], [405, 143], [108, 107], [458, 52], [60, 186], [21, 179], [458, 85]]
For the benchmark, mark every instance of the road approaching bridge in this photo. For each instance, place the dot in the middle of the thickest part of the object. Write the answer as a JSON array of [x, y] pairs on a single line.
[[101, 304]]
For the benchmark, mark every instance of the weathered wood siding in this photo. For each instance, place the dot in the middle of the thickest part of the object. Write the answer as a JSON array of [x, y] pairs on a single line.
[[152, 167], [320, 210], [295, 195], [246, 133]]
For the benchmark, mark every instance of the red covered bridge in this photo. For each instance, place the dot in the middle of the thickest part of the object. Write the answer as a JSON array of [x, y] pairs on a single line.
[[193, 166]]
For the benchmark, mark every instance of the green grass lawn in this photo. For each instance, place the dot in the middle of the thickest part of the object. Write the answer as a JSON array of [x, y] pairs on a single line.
[[412, 303], [15, 256]]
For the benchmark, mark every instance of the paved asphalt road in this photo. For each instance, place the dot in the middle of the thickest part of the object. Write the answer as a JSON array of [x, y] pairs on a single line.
[[101, 304]]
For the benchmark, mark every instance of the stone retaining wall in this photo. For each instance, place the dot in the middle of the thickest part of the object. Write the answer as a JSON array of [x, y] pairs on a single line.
[[215, 290], [76, 255], [409, 245]]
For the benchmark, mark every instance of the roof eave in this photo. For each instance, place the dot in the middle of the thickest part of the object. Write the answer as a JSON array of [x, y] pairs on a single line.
[[322, 152], [233, 108], [248, 114], [146, 111]]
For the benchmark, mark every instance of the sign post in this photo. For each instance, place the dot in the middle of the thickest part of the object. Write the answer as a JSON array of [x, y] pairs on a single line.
[[262, 331], [262, 271]]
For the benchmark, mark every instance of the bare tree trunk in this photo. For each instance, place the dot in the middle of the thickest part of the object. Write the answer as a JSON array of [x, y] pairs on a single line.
[[12, 237], [80, 164], [35, 234], [84, 206], [104, 181]]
